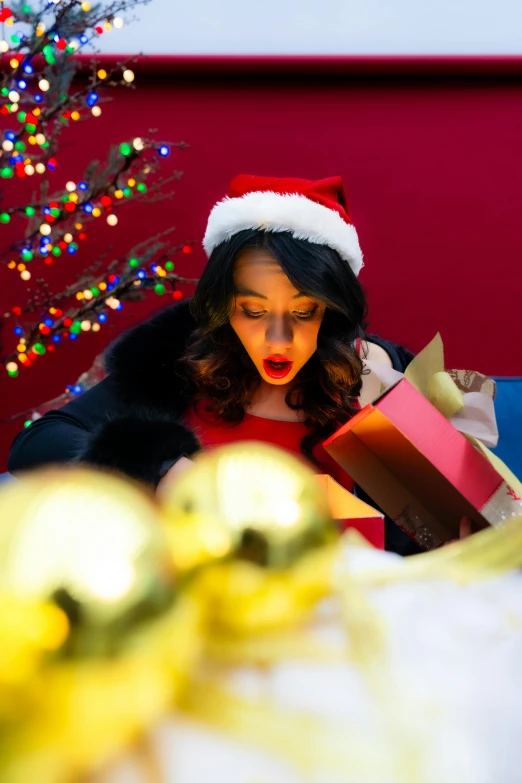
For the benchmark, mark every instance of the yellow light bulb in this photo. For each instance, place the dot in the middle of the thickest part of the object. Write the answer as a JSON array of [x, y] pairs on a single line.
[[112, 220], [21, 348], [118, 193], [75, 115], [85, 7], [26, 275], [96, 327], [44, 85], [40, 29], [107, 26], [40, 168], [73, 197], [45, 229], [102, 74], [11, 265], [128, 75], [13, 63], [21, 267], [79, 296], [32, 140], [102, 286], [96, 111], [78, 226], [36, 111], [14, 108], [96, 212], [131, 182], [9, 22]]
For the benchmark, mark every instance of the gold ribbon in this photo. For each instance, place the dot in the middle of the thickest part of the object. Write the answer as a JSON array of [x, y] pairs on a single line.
[[427, 374]]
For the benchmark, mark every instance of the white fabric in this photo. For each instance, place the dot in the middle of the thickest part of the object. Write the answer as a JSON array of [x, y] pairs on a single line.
[[278, 212], [453, 680]]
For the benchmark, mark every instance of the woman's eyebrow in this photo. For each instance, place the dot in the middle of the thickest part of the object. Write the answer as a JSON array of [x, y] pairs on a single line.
[[248, 292]]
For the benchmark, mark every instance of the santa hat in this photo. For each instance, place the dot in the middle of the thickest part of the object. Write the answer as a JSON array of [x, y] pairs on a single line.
[[315, 210]]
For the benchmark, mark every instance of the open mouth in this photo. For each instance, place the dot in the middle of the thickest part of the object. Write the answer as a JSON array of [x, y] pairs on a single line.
[[277, 366]]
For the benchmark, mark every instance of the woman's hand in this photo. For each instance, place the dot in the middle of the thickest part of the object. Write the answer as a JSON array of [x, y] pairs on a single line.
[[172, 475]]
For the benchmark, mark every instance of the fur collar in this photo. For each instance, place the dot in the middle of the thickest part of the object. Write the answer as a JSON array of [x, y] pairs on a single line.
[[144, 362]]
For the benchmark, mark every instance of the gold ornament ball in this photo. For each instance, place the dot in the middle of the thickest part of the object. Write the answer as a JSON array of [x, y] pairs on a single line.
[[246, 501], [90, 544]]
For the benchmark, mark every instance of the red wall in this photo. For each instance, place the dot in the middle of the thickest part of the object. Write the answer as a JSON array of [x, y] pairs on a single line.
[[430, 153]]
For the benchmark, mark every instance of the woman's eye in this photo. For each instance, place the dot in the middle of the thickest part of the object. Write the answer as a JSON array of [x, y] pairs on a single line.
[[305, 314], [253, 313]]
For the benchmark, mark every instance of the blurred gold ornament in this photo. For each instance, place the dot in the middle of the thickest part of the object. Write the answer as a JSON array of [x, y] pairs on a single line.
[[257, 516], [247, 501], [90, 544], [95, 641]]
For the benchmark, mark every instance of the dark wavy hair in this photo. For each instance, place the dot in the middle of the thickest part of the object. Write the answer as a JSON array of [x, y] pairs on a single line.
[[326, 387]]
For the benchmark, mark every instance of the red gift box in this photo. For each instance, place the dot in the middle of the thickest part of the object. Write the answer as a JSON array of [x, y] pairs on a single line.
[[419, 469], [351, 512]]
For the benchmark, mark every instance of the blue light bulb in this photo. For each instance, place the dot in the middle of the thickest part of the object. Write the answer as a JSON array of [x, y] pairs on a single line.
[[141, 273], [164, 151], [28, 68], [22, 84], [83, 38], [56, 339], [18, 330], [48, 322], [38, 98], [102, 318], [82, 185], [88, 208], [10, 135]]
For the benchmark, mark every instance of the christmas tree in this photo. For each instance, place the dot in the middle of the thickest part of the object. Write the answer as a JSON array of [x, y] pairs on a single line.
[[47, 87]]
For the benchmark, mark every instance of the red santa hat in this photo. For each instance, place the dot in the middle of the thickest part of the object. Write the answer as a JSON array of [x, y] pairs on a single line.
[[315, 210]]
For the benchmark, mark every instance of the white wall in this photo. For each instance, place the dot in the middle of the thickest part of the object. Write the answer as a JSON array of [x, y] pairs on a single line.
[[322, 27]]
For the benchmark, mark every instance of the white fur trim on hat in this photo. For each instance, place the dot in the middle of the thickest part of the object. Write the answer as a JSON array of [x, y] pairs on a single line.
[[269, 211]]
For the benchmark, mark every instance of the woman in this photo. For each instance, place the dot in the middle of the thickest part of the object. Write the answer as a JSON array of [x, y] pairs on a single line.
[[270, 347]]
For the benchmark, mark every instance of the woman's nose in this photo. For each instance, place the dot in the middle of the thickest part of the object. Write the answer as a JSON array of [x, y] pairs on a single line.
[[279, 333]]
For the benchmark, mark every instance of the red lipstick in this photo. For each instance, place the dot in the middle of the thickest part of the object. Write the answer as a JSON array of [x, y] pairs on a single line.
[[277, 367]]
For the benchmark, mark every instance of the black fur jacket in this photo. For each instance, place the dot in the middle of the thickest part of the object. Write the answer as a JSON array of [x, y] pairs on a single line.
[[132, 420]]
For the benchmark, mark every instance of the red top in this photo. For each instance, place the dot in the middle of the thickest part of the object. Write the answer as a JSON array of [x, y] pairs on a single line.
[[286, 435]]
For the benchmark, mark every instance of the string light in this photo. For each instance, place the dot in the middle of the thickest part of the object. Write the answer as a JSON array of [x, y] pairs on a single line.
[[128, 75], [85, 7], [4, 47], [29, 170], [112, 220], [45, 229], [44, 85], [102, 73], [14, 97], [70, 186], [40, 168], [96, 111], [95, 327], [138, 144], [118, 22], [86, 326], [7, 145], [40, 139], [26, 275]]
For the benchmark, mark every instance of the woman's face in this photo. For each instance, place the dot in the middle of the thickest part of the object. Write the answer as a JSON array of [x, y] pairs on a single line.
[[277, 324]]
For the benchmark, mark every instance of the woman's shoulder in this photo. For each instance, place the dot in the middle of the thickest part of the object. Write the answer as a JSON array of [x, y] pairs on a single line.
[[144, 362], [378, 349]]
